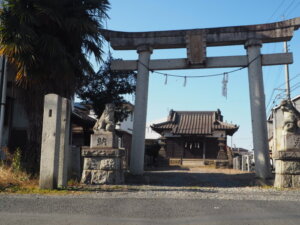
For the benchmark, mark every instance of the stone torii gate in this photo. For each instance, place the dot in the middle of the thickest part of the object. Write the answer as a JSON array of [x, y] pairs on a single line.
[[196, 41]]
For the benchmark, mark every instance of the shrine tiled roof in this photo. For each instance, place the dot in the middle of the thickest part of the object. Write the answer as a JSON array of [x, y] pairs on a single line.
[[194, 123]]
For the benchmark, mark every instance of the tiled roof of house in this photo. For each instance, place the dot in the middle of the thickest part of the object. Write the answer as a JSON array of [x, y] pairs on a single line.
[[194, 123], [80, 115]]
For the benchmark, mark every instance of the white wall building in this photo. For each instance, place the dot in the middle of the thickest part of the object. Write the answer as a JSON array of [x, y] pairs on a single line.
[[151, 134]]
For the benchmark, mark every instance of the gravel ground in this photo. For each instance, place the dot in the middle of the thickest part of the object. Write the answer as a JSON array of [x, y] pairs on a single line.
[[153, 192], [196, 183]]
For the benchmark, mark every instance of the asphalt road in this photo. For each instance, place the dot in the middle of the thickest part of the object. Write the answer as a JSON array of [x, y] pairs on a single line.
[[62, 210]]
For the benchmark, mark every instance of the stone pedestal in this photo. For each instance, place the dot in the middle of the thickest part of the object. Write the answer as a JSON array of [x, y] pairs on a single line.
[[287, 168], [103, 161], [221, 164]]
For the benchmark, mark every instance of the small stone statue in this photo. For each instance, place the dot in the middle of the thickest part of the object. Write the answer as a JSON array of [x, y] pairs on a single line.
[[291, 117], [106, 121]]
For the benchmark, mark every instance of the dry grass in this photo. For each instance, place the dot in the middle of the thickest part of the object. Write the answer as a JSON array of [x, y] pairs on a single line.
[[19, 182], [213, 170], [14, 180]]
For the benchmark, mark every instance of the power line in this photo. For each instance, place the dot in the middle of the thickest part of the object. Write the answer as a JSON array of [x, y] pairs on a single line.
[[279, 6], [295, 86], [278, 88], [289, 80], [281, 95], [294, 8], [289, 6]]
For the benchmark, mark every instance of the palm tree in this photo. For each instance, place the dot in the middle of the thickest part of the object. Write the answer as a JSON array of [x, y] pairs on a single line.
[[49, 42]]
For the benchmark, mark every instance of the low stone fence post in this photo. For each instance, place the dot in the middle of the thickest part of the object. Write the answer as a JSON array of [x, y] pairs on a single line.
[[237, 162]]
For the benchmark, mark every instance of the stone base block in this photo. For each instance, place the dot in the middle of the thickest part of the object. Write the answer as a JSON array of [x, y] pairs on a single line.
[[287, 167], [293, 155], [102, 166], [102, 152], [98, 163], [102, 177], [287, 181]]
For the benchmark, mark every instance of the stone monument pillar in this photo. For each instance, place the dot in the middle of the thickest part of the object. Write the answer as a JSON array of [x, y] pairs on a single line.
[[103, 160], [287, 159]]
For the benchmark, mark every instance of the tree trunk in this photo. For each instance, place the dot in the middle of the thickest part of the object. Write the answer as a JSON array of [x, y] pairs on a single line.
[[33, 104]]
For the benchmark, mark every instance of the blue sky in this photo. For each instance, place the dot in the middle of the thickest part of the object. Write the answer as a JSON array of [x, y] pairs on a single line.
[[205, 93]]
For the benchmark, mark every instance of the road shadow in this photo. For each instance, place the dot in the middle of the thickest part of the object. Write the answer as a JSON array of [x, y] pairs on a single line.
[[190, 179], [166, 168]]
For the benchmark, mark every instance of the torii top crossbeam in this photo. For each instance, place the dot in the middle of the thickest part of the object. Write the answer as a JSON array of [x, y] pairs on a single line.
[[235, 35]]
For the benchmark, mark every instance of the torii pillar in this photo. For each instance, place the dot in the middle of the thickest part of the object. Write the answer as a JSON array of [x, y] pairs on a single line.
[[140, 111], [258, 109]]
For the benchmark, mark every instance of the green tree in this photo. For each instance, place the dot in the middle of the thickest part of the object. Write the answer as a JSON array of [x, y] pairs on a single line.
[[108, 86], [49, 42]]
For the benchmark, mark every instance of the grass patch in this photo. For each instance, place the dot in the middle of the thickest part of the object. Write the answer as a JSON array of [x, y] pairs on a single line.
[[267, 187], [19, 182], [12, 179]]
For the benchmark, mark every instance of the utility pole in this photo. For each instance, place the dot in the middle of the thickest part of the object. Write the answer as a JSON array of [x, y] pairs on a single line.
[[286, 70], [287, 75], [3, 86]]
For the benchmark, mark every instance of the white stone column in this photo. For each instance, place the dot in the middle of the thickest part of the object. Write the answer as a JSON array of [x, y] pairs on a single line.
[[50, 144], [258, 109], [64, 147], [140, 112], [55, 142]]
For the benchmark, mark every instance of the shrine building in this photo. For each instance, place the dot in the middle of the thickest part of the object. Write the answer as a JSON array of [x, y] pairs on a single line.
[[191, 135]]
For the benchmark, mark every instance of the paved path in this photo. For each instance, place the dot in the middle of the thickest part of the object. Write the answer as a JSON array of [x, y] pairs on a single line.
[[198, 196], [153, 205]]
